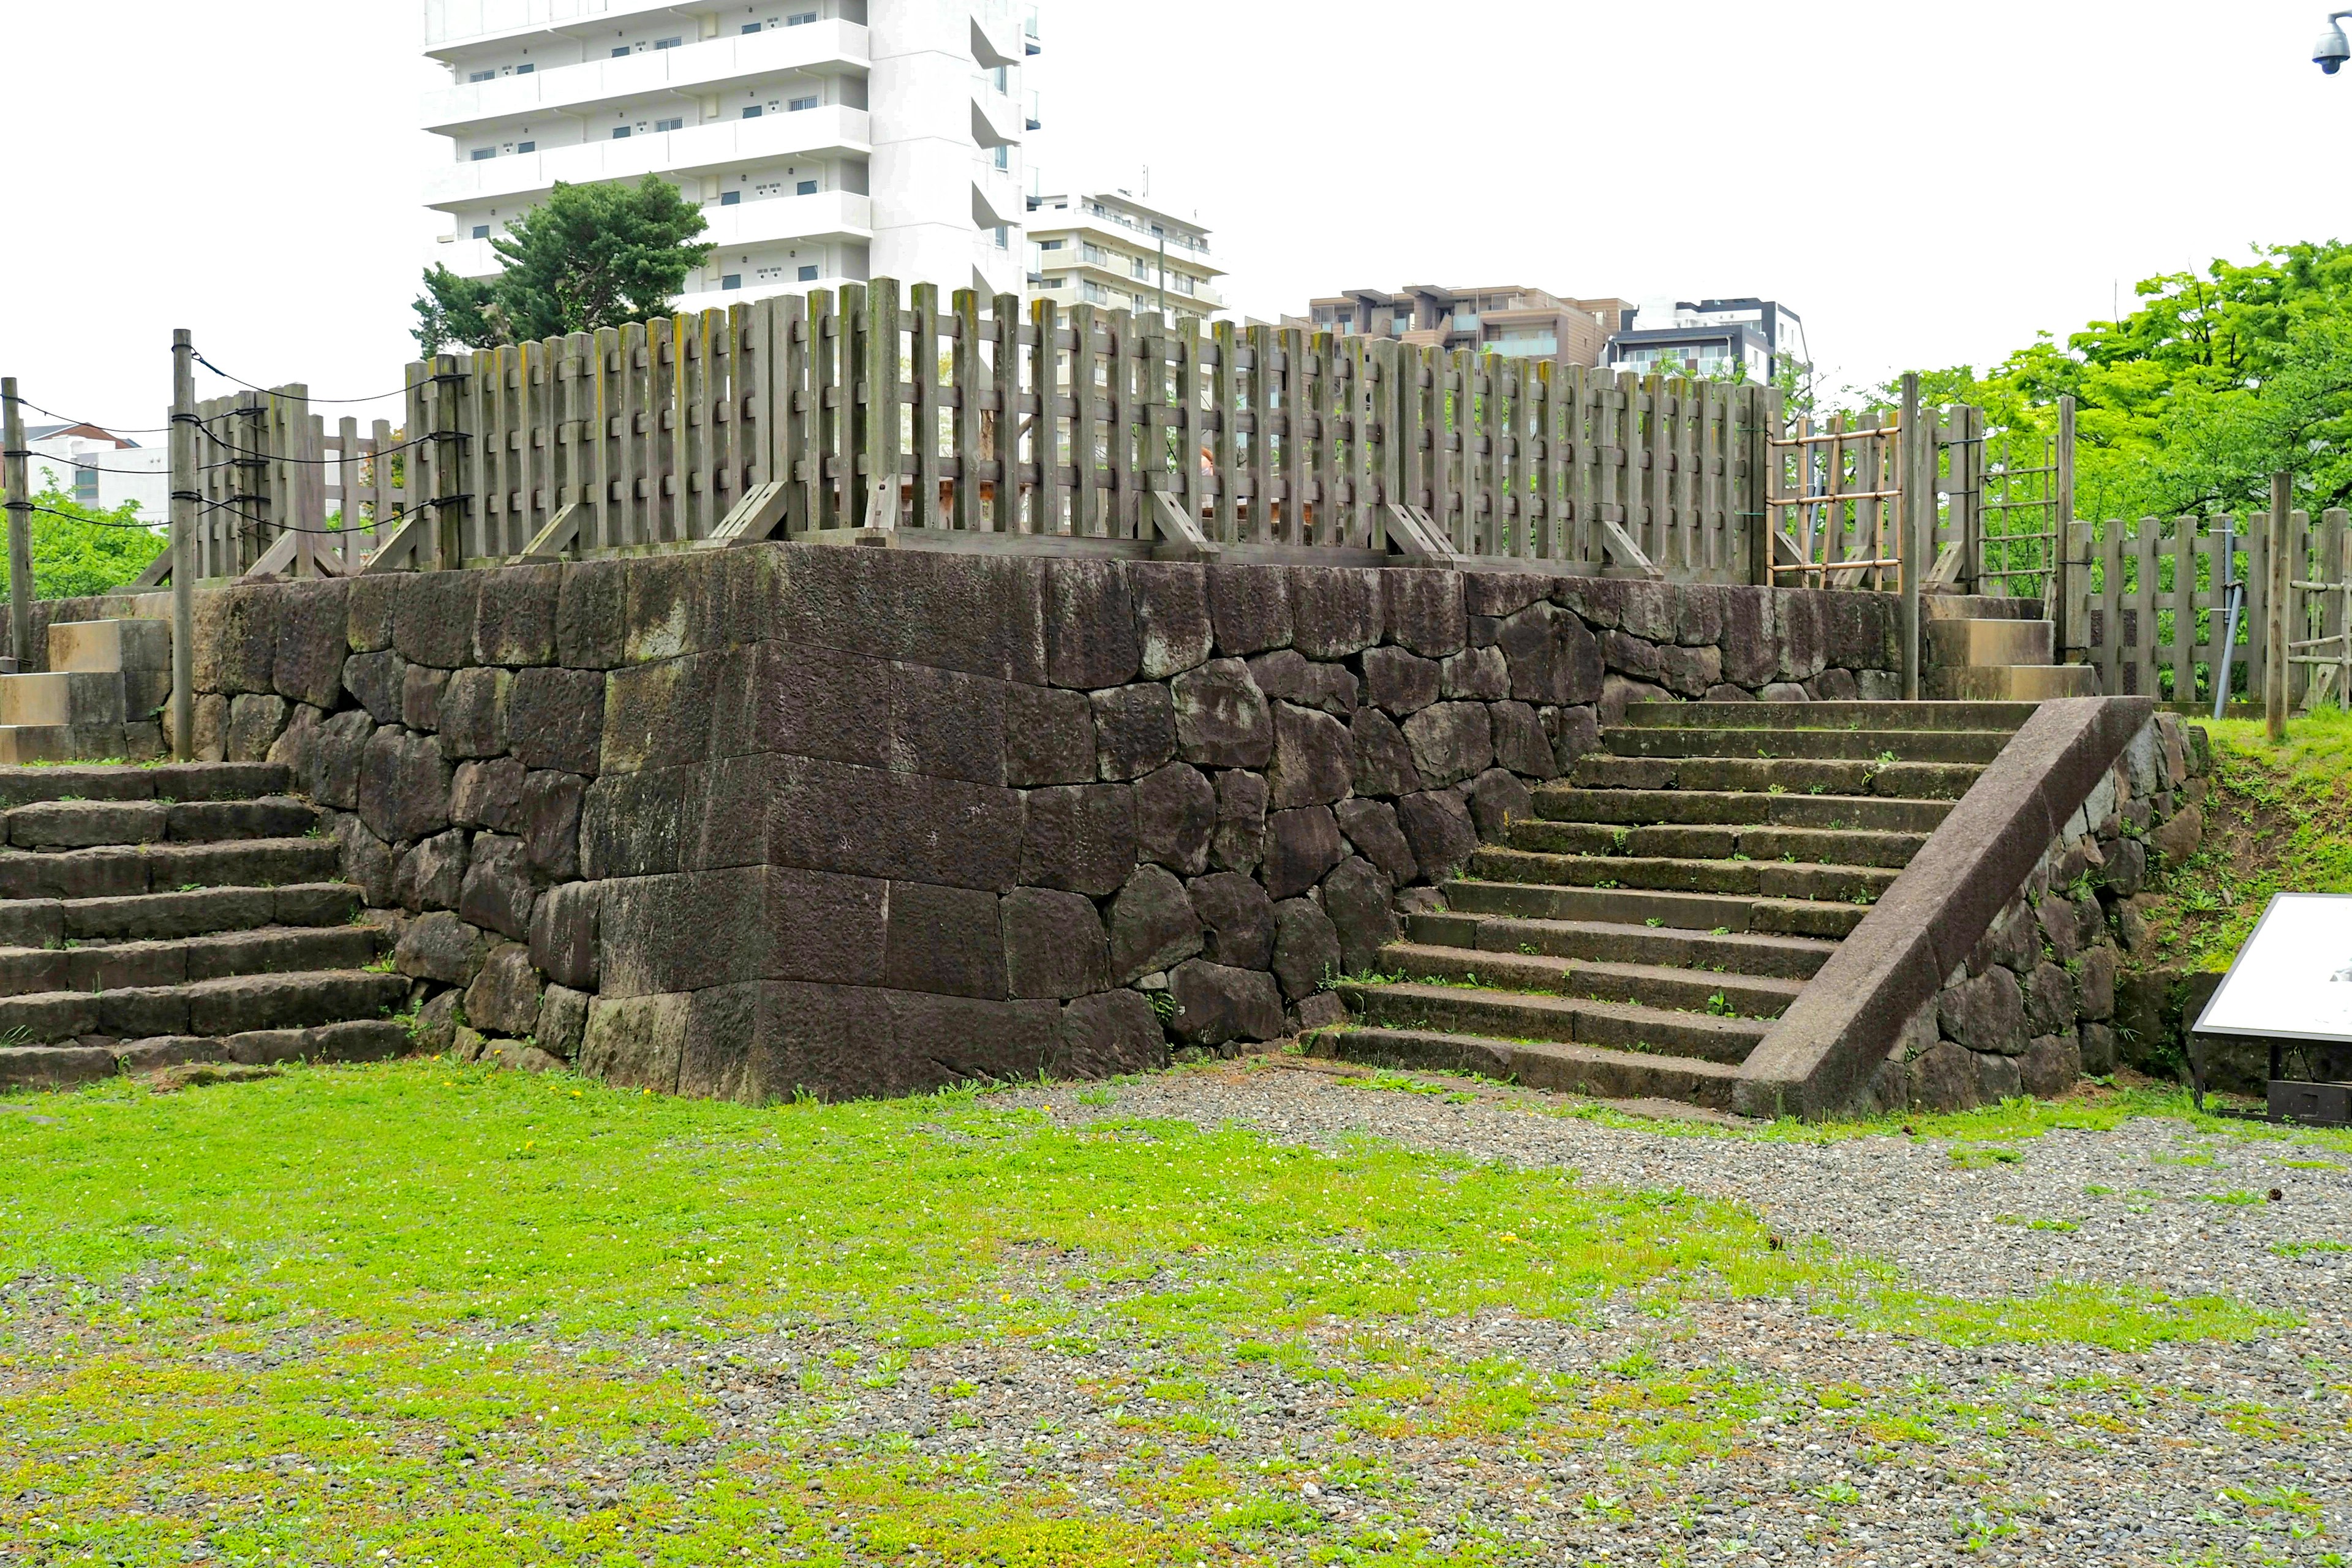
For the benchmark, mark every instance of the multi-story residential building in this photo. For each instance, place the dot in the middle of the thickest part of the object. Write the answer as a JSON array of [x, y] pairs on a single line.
[[1750, 340], [829, 141], [1510, 320], [99, 469], [1115, 250]]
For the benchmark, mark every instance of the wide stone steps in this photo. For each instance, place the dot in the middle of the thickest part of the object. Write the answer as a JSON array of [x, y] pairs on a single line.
[[1577, 1020], [116, 870], [1736, 953], [128, 965], [83, 825], [1683, 989], [1564, 1069], [1794, 776], [1894, 718], [1765, 879], [1638, 808], [1817, 845], [160, 917], [231, 1005], [67, 1066], [1685, 912], [163, 781], [1977, 746]]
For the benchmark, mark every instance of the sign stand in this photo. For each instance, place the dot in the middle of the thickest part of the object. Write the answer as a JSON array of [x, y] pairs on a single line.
[[2291, 987]]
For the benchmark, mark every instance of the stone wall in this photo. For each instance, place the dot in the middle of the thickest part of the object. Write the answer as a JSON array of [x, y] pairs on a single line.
[[855, 821], [2034, 1007]]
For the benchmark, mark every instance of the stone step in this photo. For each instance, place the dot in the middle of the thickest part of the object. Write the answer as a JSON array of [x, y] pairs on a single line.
[[172, 916], [1795, 776], [1663, 987], [24, 744], [1528, 1015], [1856, 745], [128, 965], [110, 646], [163, 781], [1816, 846], [232, 1005], [1679, 911], [1637, 807], [1560, 1067], [1978, 607], [1758, 879], [1895, 716], [69, 1067], [68, 699], [1976, 643], [2020, 682], [1735, 953], [86, 824], [118, 871]]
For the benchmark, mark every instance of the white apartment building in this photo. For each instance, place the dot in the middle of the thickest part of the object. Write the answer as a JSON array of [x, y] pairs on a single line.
[[828, 140], [98, 468], [1115, 250]]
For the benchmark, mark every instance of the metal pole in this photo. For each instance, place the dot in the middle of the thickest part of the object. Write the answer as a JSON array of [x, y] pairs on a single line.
[[2274, 666], [20, 531], [2235, 598], [1917, 498], [184, 549], [2065, 612]]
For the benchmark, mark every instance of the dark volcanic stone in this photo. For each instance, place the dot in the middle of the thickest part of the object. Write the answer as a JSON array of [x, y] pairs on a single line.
[[1372, 826], [403, 786], [1398, 682], [1288, 676], [1383, 758], [1301, 847], [499, 891], [1222, 717], [1499, 799], [555, 719], [1451, 741], [1175, 817], [1171, 616], [1250, 607], [1216, 1005], [1356, 896], [1553, 657], [1240, 841], [1238, 917], [377, 680], [1054, 944], [1152, 926], [1135, 730], [433, 874], [1079, 839], [1305, 948], [1313, 758], [1049, 737], [1421, 610], [1090, 633], [1438, 826], [948, 941], [1987, 1013]]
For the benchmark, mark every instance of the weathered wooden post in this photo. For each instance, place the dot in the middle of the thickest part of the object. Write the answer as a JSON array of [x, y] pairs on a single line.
[[2276, 666], [184, 551], [2067, 610], [1915, 518], [20, 532]]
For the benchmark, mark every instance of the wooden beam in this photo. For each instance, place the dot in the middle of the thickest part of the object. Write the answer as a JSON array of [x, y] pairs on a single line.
[[276, 559], [1414, 534], [397, 550], [1181, 537], [157, 572], [758, 515], [561, 535], [1620, 544]]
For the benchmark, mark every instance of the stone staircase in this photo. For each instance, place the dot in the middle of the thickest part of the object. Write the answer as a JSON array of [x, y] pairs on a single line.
[[1637, 938], [152, 915], [106, 684], [1995, 650]]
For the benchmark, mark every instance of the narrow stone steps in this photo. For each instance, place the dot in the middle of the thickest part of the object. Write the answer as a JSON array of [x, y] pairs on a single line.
[[1854, 746], [1663, 987], [1760, 879], [83, 825], [1794, 776], [1790, 958], [232, 1005], [71, 1067], [116, 870], [164, 781], [131, 965], [1645, 807], [1685, 912], [160, 917], [1892, 717], [1819, 846], [2032, 683], [1537, 1015], [1562, 1068]]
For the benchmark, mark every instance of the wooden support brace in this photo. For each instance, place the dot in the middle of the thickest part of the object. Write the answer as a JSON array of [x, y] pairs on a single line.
[[1628, 553], [881, 506], [1181, 536], [401, 548], [158, 573], [1944, 577], [1414, 534], [274, 560], [757, 516], [561, 532]]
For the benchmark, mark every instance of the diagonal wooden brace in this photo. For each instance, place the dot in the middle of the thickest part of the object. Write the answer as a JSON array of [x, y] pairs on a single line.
[[555, 541], [757, 516], [1414, 534], [1180, 538], [1628, 553]]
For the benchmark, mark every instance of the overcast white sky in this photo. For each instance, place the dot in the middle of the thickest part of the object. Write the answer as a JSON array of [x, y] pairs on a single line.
[[1925, 184]]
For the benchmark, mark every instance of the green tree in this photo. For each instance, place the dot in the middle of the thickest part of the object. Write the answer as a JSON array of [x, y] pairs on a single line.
[[79, 550], [588, 256]]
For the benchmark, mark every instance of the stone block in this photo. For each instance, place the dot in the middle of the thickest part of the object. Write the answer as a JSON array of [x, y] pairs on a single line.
[[547, 817], [1496, 594], [1943, 1079], [1171, 616], [1110, 1034], [1617, 694], [2011, 940], [1237, 920], [1421, 610], [1475, 675], [504, 998], [673, 605], [474, 713], [861, 823], [306, 666], [1986, 1014], [433, 620], [336, 755], [1302, 845], [377, 681], [405, 783], [498, 890], [1521, 742], [236, 639], [1240, 841], [687, 932], [436, 1023], [1356, 896], [1832, 685], [1049, 737], [957, 1040], [1800, 632], [1218, 1005], [1552, 656], [636, 1042], [662, 714], [948, 941], [1690, 672], [2095, 984], [649, 824], [1372, 826], [1575, 732], [817, 926], [1249, 608], [805, 701], [1438, 826], [1305, 948], [440, 947], [2048, 1000], [562, 1021], [368, 605], [368, 862], [255, 722], [292, 749], [1635, 656], [515, 615], [1091, 640], [1175, 818], [1997, 1078], [2098, 1048], [433, 874], [947, 724], [563, 934], [1861, 631], [2127, 868], [1152, 926], [420, 696], [1450, 741], [977, 614], [2050, 1066], [591, 607], [1398, 682], [1335, 610], [2178, 838], [1313, 758], [1223, 718], [555, 719], [1079, 839], [2061, 930], [1287, 676], [1135, 730], [1054, 944], [1498, 799]]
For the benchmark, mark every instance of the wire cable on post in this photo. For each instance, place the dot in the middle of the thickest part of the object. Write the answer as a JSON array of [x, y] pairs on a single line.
[[275, 392]]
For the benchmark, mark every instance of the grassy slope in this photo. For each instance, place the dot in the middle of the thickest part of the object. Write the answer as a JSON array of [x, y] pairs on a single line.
[[351, 1312], [2279, 819]]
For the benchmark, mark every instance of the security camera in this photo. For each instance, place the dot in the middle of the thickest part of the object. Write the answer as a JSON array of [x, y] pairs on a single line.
[[2330, 53]]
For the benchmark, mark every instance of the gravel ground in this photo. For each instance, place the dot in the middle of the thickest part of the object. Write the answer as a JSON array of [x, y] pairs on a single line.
[[1836, 1445]]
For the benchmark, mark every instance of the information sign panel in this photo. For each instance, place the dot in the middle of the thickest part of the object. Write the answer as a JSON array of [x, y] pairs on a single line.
[[2293, 980]]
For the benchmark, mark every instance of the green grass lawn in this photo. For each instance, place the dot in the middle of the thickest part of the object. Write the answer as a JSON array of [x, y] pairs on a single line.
[[420, 1313]]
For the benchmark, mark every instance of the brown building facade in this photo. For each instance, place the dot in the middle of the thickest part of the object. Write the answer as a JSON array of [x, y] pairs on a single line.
[[1505, 318]]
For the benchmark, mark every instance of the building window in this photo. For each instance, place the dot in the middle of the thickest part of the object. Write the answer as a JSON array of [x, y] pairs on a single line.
[[806, 188], [525, 69], [481, 75], [481, 231], [1057, 283], [620, 133], [808, 274], [676, 124], [1004, 237], [800, 18], [751, 27], [732, 281], [482, 152], [622, 52], [752, 112], [800, 105], [730, 198], [526, 146], [86, 486], [667, 43], [1004, 157]]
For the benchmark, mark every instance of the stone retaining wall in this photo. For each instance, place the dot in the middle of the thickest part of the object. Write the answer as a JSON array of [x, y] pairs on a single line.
[[853, 821]]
